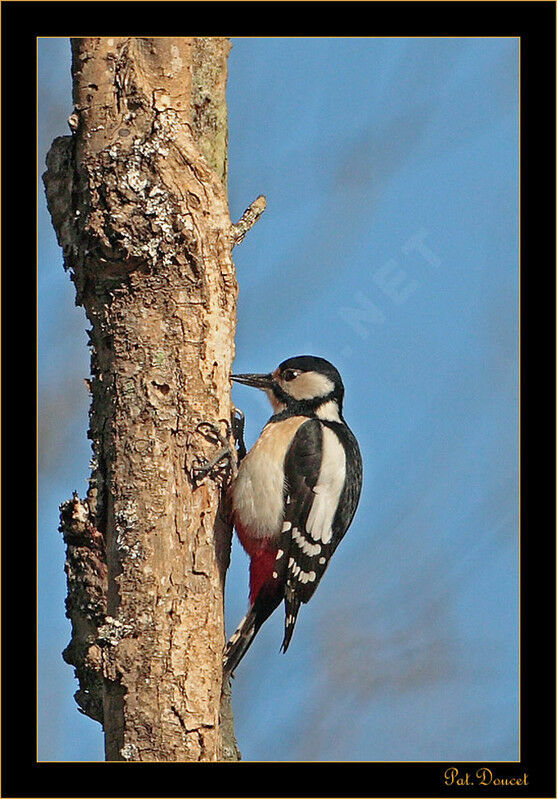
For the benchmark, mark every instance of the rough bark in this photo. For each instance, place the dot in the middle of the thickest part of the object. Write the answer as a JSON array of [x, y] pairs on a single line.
[[137, 196]]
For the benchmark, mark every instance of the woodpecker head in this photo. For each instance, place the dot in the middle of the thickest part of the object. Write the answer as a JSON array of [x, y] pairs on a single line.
[[302, 384]]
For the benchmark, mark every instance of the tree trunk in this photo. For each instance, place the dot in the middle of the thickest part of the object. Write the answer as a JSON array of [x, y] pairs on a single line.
[[138, 199]]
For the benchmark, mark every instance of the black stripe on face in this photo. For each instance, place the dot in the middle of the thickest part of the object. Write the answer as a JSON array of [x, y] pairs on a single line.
[[280, 395], [296, 407]]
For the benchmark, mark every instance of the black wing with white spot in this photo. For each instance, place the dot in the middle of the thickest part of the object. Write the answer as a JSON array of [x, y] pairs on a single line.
[[323, 482]]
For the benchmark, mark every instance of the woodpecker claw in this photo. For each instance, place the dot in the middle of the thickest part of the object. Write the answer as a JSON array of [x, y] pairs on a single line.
[[238, 424], [212, 432], [224, 464], [219, 465]]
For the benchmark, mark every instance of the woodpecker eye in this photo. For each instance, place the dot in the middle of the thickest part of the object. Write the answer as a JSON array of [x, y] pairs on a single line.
[[289, 374]]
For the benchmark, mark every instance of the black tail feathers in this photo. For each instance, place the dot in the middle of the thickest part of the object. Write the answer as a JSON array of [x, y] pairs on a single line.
[[248, 628], [292, 606], [240, 642]]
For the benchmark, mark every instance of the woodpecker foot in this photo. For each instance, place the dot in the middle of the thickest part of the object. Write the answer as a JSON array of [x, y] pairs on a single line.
[[223, 465], [219, 467], [238, 424]]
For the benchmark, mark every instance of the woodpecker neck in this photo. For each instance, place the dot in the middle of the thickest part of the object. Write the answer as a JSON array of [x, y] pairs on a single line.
[[329, 411], [328, 408], [279, 403]]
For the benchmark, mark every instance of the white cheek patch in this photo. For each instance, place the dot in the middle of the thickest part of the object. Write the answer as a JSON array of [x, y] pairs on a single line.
[[327, 489], [309, 385]]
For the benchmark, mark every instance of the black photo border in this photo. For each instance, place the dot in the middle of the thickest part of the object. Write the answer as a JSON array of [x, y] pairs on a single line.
[[534, 23]]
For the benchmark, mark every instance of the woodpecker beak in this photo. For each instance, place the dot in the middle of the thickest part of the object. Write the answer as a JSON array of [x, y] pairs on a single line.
[[263, 382]]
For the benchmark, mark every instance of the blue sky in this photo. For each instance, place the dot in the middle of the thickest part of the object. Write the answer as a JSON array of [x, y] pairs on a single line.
[[390, 247]]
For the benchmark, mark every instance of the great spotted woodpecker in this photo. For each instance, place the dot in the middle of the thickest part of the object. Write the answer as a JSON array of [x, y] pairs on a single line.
[[295, 493]]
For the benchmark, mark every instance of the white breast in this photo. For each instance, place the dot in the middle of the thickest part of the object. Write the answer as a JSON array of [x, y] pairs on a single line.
[[257, 493]]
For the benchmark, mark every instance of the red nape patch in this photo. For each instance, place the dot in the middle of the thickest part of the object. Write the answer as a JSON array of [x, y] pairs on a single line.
[[261, 569]]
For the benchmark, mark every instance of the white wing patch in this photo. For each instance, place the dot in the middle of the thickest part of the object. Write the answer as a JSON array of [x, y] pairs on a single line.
[[327, 489]]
